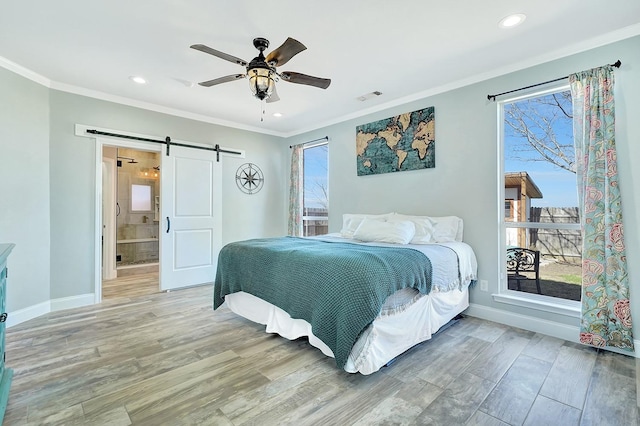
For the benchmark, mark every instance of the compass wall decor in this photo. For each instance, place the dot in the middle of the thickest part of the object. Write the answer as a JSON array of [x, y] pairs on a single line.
[[249, 178]]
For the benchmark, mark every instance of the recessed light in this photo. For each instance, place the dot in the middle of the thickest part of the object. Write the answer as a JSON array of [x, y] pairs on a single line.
[[369, 96], [512, 20], [277, 114], [138, 79]]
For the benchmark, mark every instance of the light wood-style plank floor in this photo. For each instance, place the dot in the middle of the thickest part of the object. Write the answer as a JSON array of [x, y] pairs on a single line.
[[168, 359], [131, 286]]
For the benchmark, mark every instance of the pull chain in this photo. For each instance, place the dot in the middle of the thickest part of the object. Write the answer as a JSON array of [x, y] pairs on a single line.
[[262, 107]]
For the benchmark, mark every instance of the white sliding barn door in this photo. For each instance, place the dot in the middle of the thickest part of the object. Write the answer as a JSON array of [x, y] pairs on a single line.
[[190, 217]]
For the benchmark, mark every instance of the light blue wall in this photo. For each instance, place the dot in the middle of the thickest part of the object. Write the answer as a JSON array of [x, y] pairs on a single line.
[[465, 179], [24, 198], [47, 204], [73, 187]]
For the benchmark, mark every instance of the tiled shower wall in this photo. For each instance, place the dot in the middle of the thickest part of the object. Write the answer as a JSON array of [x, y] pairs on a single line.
[[137, 225]]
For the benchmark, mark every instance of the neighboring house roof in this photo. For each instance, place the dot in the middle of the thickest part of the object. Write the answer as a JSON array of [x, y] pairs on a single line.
[[515, 180]]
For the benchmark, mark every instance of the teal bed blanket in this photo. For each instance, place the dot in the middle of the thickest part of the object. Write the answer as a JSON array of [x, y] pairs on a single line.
[[339, 288]]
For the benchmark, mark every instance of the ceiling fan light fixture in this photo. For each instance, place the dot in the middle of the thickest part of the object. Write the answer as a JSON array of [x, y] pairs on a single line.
[[262, 72], [261, 82]]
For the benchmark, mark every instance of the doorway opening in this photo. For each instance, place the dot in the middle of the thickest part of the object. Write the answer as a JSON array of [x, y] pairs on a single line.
[[190, 208], [130, 221]]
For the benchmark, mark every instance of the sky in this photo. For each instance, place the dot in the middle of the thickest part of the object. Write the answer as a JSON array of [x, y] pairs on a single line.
[[558, 186], [315, 171]]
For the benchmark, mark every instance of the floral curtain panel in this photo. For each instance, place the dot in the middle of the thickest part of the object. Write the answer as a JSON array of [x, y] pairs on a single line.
[[295, 192], [606, 315]]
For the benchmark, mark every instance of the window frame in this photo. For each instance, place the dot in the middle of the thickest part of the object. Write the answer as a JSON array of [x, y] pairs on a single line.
[[570, 308]]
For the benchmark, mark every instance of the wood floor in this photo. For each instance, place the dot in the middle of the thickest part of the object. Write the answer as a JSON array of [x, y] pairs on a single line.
[[168, 359], [131, 285]]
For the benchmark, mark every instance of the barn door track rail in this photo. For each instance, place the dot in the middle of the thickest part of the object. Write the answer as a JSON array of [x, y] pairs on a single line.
[[167, 142]]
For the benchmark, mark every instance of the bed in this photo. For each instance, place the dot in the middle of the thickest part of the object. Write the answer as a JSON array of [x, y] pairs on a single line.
[[363, 296]]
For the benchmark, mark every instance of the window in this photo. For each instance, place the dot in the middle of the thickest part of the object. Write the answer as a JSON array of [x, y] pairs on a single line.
[[140, 198], [508, 209], [315, 219], [540, 194]]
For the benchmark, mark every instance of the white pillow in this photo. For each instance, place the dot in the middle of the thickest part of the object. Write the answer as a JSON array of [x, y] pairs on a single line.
[[375, 230], [423, 225], [434, 229], [447, 228], [350, 222]]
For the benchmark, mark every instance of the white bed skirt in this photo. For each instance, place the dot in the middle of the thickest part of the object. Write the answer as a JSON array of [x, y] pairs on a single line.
[[389, 336]]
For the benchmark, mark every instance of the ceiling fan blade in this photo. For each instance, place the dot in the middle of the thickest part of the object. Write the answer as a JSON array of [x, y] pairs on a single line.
[[290, 48], [220, 80], [296, 77], [273, 97], [221, 55]]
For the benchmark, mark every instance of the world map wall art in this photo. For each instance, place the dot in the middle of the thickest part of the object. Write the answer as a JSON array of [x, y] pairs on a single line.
[[395, 144]]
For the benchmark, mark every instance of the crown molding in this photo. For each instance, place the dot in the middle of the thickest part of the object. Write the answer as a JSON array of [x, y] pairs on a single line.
[[76, 90], [63, 87], [612, 37], [24, 72]]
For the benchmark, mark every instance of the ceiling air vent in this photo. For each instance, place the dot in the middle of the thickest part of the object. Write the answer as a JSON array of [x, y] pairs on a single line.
[[369, 96]]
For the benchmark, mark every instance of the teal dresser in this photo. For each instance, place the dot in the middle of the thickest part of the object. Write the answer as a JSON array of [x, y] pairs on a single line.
[[5, 373]]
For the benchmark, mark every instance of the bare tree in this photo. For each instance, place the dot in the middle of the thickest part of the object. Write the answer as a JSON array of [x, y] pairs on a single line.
[[545, 123], [318, 191]]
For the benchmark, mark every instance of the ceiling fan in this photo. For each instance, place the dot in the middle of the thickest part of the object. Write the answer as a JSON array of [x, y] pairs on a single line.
[[262, 71]]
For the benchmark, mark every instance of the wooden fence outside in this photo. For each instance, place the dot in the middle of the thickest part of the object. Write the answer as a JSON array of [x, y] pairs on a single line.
[[562, 243], [315, 221]]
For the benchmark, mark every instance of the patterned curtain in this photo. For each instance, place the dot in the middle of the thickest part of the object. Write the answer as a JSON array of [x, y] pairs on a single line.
[[295, 192], [606, 314]]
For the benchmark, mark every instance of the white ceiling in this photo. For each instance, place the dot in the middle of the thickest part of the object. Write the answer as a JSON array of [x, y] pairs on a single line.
[[405, 49]]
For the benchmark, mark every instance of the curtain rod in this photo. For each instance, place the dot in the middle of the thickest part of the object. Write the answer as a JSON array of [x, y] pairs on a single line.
[[493, 97], [315, 140], [167, 141]]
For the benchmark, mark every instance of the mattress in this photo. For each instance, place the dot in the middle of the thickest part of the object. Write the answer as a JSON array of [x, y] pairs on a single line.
[[388, 336]]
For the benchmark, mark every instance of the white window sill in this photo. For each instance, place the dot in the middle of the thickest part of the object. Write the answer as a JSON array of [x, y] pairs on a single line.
[[569, 308]]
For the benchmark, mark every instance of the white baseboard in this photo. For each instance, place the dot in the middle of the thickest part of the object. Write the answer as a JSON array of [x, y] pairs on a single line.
[[538, 325], [72, 302], [525, 322], [25, 314]]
